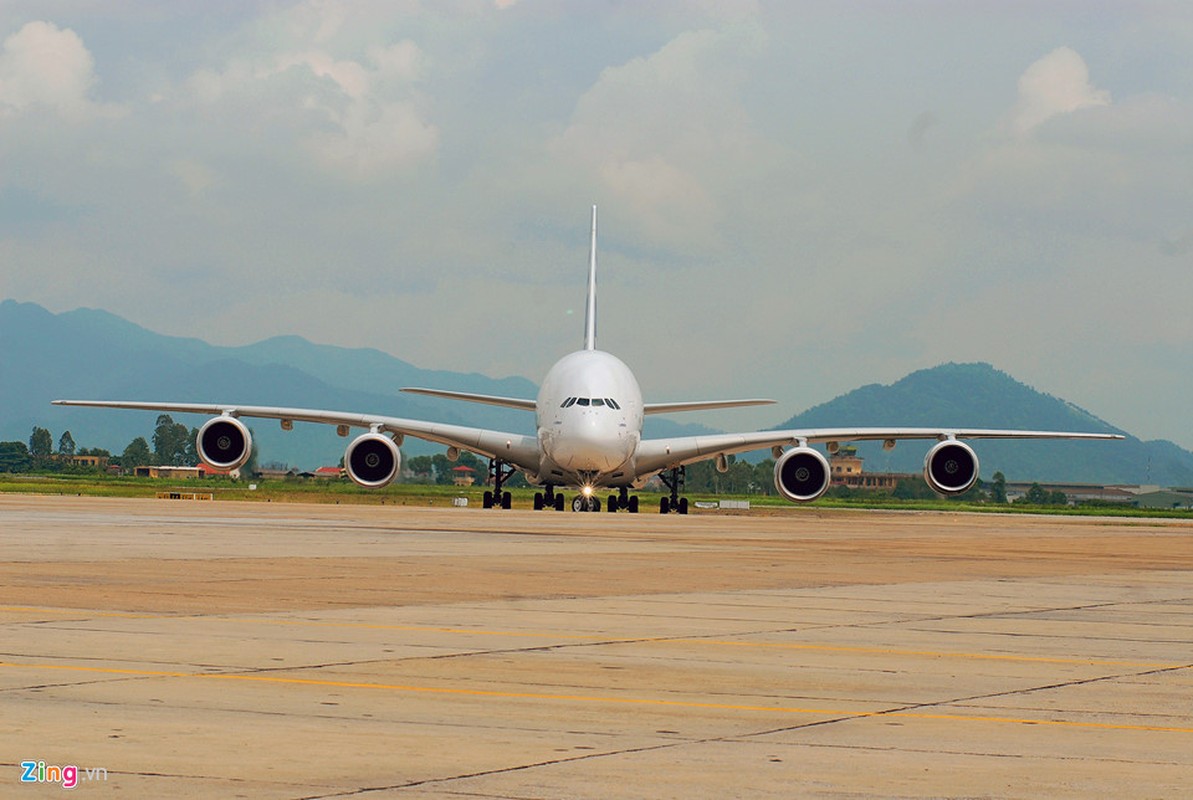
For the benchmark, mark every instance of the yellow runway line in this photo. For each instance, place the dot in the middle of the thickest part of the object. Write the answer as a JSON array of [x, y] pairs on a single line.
[[595, 699]]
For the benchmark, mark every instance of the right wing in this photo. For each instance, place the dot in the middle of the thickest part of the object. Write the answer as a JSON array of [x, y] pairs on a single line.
[[493, 400], [515, 448]]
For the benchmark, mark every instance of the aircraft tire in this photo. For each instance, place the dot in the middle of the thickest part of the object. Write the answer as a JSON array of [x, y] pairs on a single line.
[[559, 502], [683, 505], [613, 503], [506, 500], [634, 504], [538, 501], [664, 505], [487, 499]]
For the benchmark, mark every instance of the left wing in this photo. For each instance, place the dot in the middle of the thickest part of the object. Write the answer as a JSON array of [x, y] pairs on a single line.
[[700, 405], [659, 454], [514, 448]]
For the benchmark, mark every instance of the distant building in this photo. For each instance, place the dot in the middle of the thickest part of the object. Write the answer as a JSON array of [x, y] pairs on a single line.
[[1076, 492], [463, 476], [179, 473], [275, 474], [325, 473], [100, 462], [1165, 499], [845, 468]]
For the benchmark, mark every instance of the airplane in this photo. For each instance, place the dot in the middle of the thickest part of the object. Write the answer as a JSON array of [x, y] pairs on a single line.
[[589, 414]]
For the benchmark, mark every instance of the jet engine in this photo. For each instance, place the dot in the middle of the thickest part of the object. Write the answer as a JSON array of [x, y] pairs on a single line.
[[951, 467], [802, 474], [224, 443], [372, 460]]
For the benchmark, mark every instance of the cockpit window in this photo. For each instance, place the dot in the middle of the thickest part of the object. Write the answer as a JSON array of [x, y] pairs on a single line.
[[590, 401]]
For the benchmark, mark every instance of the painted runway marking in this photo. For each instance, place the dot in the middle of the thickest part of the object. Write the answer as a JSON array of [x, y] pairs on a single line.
[[595, 699]]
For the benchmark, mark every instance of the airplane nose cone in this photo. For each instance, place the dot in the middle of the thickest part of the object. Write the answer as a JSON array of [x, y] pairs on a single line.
[[590, 445]]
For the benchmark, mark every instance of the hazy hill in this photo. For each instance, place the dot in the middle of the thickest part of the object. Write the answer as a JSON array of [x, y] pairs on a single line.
[[980, 396], [92, 354]]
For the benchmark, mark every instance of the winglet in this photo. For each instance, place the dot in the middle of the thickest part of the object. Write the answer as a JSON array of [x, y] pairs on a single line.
[[590, 306]]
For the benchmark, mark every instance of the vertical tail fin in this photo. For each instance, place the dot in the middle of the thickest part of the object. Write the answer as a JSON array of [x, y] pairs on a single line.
[[590, 306]]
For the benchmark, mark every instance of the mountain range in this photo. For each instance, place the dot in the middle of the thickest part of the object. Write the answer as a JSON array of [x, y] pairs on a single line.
[[92, 354]]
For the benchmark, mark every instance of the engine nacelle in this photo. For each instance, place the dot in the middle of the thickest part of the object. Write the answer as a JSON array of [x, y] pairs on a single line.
[[372, 460], [951, 467], [224, 443], [802, 474]]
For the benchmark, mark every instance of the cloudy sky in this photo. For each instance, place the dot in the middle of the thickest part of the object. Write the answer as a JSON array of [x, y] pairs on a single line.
[[796, 198]]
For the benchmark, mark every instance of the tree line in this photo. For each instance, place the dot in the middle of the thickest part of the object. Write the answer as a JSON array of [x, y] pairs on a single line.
[[173, 445]]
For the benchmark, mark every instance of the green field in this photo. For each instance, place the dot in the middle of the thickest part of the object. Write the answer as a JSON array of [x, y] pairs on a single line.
[[314, 491]]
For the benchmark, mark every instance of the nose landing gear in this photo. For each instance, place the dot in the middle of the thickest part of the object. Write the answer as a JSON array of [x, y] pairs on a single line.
[[586, 503]]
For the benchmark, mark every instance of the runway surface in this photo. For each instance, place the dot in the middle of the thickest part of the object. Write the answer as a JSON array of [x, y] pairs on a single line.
[[301, 651]]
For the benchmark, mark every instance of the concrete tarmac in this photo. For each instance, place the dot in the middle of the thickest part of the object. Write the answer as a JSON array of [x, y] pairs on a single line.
[[208, 649]]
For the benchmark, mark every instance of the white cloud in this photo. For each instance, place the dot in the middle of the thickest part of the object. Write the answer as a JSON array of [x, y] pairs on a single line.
[[661, 134], [360, 119], [1056, 84], [44, 66], [375, 138], [195, 176]]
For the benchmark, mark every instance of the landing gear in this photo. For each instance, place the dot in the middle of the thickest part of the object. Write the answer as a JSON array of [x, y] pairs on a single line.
[[496, 500], [674, 482], [623, 501], [583, 503], [499, 473], [548, 500]]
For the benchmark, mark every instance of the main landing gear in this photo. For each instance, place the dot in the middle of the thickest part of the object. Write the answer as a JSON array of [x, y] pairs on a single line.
[[623, 502], [674, 482], [551, 499], [499, 473]]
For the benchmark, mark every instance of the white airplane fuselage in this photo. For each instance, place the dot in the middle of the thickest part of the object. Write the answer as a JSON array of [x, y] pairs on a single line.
[[588, 416]]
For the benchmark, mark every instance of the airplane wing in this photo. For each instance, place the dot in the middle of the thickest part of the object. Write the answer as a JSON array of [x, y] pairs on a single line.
[[655, 455], [493, 400], [514, 448], [700, 405]]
